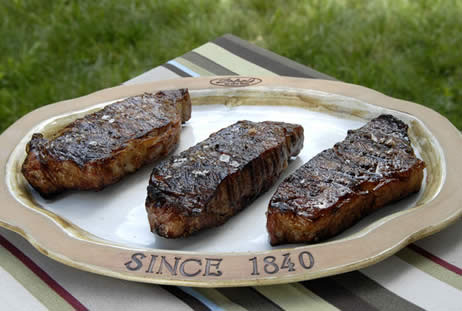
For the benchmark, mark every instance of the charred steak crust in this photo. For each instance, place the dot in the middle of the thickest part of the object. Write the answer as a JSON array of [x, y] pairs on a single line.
[[373, 166], [210, 182], [100, 148]]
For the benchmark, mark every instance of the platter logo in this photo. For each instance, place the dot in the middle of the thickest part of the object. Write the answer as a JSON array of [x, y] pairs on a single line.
[[235, 82]]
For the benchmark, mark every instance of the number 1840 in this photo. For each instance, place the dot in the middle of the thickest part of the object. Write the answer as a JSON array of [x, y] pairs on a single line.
[[272, 264]]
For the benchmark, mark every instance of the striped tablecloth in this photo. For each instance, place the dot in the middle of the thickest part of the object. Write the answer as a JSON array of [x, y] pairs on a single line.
[[426, 275]]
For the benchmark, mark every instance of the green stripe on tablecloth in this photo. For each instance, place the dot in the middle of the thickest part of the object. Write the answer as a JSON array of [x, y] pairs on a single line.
[[371, 292], [249, 298], [430, 267], [198, 69], [219, 299], [267, 59], [207, 64], [295, 297], [231, 61], [30, 281]]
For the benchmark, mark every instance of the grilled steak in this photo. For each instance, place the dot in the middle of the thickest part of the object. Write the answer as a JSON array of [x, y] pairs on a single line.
[[100, 148], [210, 182], [373, 166]]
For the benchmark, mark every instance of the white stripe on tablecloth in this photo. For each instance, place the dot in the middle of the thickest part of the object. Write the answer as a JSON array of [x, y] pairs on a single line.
[[431, 294], [446, 244], [156, 74], [21, 300]]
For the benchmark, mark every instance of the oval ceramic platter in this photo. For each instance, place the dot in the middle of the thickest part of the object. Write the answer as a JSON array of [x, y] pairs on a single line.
[[107, 232]]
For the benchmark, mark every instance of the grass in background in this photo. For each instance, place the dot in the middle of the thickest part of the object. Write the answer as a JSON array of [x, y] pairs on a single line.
[[54, 50]]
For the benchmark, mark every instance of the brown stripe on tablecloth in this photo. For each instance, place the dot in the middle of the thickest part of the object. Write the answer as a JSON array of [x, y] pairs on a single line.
[[267, 59], [373, 293], [176, 70], [249, 298], [47, 279], [186, 298], [207, 64], [337, 295]]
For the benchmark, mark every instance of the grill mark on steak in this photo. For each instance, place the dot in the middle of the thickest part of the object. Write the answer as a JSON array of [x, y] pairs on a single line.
[[372, 166], [210, 182], [100, 148]]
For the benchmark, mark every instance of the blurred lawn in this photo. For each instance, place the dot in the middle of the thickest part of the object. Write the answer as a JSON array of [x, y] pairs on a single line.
[[54, 50]]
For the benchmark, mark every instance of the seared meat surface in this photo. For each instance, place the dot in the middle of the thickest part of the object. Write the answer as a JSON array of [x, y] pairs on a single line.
[[210, 182], [373, 166], [100, 148]]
